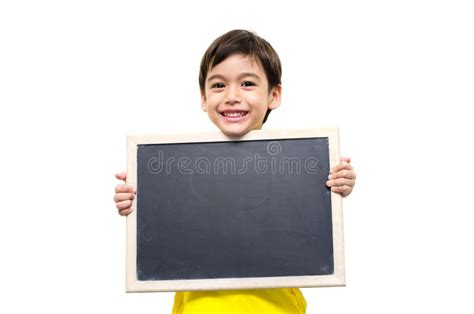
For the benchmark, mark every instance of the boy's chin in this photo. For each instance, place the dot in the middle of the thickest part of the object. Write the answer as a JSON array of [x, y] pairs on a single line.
[[234, 132]]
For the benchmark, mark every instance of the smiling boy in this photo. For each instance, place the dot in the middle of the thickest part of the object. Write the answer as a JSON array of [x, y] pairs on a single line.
[[240, 83], [236, 95]]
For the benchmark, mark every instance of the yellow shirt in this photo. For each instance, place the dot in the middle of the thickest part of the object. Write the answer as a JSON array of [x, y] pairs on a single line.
[[288, 300]]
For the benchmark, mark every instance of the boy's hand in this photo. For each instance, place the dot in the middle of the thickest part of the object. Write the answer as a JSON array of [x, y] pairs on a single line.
[[124, 195], [342, 177]]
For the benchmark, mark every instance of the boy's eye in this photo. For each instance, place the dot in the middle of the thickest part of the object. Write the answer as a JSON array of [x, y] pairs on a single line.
[[218, 85], [248, 83]]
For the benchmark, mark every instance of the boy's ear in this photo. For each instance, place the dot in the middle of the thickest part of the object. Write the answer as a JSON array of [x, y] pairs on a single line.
[[275, 97], [203, 102]]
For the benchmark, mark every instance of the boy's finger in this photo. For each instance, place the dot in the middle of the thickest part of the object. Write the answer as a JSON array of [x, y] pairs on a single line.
[[124, 204], [118, 197], [341, 182], [341, 166], [124, 188], [343, 190], [125, 212], [348, 174], [121, 176], [346, 159]]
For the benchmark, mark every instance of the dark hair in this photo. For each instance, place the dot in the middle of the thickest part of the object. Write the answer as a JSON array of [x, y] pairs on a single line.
[[248, 44]]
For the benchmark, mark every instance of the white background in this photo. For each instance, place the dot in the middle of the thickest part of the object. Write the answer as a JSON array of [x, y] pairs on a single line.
[[396, 77]]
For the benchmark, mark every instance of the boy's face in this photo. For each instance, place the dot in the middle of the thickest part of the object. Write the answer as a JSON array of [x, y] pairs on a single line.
[[236, 95]]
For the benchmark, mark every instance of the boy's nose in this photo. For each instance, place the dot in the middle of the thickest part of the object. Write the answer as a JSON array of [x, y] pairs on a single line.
[[233, 95]]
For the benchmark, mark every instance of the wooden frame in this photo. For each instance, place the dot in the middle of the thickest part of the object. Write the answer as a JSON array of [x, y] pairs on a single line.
[[336, 279]]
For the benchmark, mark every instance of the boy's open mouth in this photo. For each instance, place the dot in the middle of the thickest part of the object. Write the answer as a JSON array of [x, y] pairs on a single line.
[[234, 115]]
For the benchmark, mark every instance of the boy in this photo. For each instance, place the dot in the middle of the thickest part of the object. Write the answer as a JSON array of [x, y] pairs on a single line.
[[240, 82]]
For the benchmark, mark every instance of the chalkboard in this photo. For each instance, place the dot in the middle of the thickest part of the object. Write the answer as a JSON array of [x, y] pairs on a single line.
[[214, 212]]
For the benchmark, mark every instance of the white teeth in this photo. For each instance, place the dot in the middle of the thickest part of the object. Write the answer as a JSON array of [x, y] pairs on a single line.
[[234, 114]]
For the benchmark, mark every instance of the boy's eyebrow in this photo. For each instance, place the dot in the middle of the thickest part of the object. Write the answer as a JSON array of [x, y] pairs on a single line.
[[246, 74], [242, 75]]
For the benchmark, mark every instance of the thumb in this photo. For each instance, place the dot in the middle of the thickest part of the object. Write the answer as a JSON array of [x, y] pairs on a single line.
[[121, 176], [346, 159]]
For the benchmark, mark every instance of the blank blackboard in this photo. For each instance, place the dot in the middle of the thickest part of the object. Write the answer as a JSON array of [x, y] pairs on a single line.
[[214, 212]]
